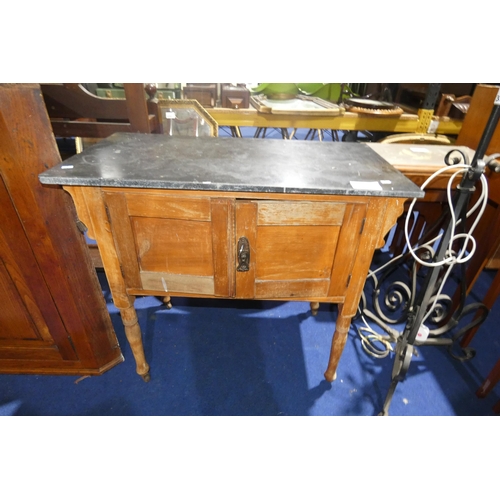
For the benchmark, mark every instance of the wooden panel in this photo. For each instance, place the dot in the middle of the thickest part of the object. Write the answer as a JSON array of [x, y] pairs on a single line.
[[308, 213], [14, 317], [477, 117], [222, 244], [71, 100], [169, 207], [24, 283], [174, 246], [43, 353], [63, 128], [288, 288], [347, 248], [287, 252], [171, 283], [137, 108], [246, 226], [123, 236], [61, 290], [376, 219]]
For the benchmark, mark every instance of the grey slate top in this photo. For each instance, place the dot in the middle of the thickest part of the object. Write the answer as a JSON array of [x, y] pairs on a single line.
[[231, 164]]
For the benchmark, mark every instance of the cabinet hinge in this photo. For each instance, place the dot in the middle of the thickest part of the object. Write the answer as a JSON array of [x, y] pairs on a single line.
[[362, 226], [81, 226]]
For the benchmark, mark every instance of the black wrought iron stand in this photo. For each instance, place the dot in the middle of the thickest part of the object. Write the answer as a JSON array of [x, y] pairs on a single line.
[[406, 342]]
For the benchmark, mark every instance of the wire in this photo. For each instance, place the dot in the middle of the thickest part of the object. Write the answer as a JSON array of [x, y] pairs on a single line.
[[452, 258], [368, 341], [483, 199]]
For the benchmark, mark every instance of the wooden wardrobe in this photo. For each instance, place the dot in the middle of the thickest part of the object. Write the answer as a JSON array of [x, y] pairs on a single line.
[[53, 316]]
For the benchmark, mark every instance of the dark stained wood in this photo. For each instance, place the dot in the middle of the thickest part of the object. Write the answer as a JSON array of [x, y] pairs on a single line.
[[72, 101], [45, 257], [62, 128], [75, 112], [137, 108]]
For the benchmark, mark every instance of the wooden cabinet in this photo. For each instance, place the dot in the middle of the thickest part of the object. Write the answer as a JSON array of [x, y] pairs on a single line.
[[53, 318], [229, 218], [192, 244]]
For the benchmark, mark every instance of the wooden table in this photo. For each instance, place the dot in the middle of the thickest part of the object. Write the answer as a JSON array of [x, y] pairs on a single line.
[[405, 123], [237, 219]]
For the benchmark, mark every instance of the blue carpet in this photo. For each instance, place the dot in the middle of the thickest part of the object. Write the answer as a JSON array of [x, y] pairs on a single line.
[[225, 357]]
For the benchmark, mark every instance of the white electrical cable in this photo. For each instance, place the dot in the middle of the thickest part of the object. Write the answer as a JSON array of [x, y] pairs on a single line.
[[450, 259], [367, 341]]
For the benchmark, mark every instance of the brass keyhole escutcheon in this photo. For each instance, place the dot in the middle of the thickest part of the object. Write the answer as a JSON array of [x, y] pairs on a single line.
[[243, 255]]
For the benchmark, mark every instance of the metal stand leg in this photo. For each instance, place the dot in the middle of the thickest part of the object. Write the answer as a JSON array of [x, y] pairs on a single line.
[[418, 312]]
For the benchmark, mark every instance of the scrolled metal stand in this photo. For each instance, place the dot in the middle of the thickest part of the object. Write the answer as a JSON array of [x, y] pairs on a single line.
[[417, 304]]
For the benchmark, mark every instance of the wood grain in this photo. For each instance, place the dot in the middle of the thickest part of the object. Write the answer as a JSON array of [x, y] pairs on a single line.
[[167, 206], [49, 262], [171, 283], [295, 252], [246, 226], [300, 213], [174, 246]]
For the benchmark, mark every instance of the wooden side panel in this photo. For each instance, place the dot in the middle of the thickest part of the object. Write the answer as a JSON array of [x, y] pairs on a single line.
[[376, 220], [347, 249], [123, 236]]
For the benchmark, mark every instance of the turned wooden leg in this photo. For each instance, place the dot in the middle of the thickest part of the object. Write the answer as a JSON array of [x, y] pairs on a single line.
[[314, 308], [338, 342], [134, 337], [166, 301]]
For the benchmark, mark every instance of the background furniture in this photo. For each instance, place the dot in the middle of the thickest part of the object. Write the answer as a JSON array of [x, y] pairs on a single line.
[[53, 315], [75, 112]]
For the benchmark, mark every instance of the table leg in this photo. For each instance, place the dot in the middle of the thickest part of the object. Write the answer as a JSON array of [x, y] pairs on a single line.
[[134, 337], [314, 308], [167, 301], [338, 342]]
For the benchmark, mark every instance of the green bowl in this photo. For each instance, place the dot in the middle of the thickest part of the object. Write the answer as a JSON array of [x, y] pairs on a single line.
[[277, 90]]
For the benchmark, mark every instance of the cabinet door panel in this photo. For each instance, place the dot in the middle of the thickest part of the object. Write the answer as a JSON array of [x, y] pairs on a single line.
[[286, 252], [174, 246], [293, 247], [180, 244]]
